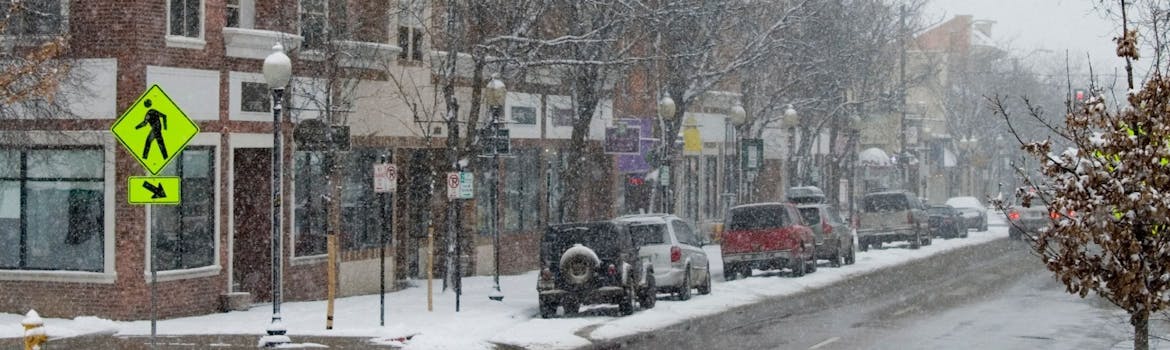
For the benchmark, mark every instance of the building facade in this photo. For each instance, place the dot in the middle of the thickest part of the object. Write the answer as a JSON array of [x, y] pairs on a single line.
[[72, 245]]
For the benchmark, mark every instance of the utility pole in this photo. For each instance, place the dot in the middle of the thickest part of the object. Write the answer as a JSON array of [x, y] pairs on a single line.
[[902, 161]]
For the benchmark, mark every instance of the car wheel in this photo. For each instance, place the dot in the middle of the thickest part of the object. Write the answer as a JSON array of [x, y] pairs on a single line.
[[626, 303], [983, 228], [730, 271], [572, 306], [811, 264], [705, 288], [852, 257], [798, 266], [916, 242], [864, 245], [928, 239], [746, 270], [649, 294], [548, 309], [835, 261], [684, 291]]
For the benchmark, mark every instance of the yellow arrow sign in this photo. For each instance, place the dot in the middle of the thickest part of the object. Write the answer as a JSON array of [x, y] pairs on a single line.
[[154, 129], [154, 190]]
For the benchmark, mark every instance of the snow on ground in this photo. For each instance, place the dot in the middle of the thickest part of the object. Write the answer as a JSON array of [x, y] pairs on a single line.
[[515, 320]]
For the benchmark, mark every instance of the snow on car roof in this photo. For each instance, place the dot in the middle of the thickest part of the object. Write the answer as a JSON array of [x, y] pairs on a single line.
[[964, 202]]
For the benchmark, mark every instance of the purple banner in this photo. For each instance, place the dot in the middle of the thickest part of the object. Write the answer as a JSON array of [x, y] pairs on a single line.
[[636, 163]]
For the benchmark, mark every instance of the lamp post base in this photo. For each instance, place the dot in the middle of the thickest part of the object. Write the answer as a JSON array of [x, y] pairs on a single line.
[[496, 294], [276, 335]]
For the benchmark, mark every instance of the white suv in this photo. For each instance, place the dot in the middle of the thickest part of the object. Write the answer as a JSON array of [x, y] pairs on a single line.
[[674, 251]]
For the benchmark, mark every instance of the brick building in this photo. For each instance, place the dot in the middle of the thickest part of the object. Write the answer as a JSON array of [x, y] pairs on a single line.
[[71, 245]]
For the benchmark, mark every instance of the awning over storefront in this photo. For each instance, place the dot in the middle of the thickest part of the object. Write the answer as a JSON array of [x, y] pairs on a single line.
[[874, 157]]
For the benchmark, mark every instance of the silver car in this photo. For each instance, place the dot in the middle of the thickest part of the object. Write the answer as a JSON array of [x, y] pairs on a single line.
[[675, 252], [834, 238]]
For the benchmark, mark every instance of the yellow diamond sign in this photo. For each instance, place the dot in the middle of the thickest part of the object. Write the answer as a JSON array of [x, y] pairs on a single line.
[[154, 190], [154, 129]]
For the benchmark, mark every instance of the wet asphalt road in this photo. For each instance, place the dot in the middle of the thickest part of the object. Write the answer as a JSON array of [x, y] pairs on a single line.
[[857, 313]]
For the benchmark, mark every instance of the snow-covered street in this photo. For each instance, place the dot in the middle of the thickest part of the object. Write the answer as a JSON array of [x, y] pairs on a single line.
[[514, 321]]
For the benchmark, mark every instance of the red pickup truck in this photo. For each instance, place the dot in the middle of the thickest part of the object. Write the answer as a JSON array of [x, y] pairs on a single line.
[[767, 236]]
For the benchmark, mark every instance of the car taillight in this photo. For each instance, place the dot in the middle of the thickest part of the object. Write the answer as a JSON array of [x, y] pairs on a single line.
[[826, 228], [1014, 215], [546, 275], [675, 254], [612, 270], [1053, 215]]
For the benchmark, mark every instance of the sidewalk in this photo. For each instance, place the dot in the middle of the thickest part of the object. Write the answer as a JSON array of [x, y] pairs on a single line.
[[107, 341]]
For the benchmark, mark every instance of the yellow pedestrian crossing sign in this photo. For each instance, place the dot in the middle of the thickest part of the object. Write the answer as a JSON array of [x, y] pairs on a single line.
[[154, 129], [154, 190]]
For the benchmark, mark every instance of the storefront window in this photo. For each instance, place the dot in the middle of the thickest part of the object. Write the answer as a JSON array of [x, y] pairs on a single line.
[[184, 234], [52, 210], [363, 213], [521, 186]]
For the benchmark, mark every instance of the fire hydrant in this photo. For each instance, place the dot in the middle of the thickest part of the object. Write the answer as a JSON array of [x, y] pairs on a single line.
[[34, 331]]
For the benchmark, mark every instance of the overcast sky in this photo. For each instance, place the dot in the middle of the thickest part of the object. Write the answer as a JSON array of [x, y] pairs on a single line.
[[1054, 25]]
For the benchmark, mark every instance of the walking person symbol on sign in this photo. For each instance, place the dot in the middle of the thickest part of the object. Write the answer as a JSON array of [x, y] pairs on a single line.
[[154, 130], [157, 122]]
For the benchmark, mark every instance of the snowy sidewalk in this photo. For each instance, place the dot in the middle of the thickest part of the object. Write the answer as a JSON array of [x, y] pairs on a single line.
[[483, 323]]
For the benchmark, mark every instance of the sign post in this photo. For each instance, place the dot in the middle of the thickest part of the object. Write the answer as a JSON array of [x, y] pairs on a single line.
[[146, 128], [385, 181]]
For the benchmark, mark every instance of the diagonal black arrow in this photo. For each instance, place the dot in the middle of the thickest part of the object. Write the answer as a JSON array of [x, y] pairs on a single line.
[[156, 189]]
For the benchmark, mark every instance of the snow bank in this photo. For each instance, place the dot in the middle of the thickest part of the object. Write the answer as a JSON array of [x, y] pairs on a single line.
[[481, 322]]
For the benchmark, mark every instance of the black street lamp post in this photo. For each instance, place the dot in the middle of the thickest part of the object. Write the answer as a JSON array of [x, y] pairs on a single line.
[[277, 72], [496, 94]]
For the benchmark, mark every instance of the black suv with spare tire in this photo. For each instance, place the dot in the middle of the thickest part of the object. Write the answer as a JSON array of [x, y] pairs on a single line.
[[592, 263]]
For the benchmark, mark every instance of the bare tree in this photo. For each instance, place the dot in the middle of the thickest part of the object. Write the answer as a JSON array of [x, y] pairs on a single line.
[[698, 46], [37, 72]]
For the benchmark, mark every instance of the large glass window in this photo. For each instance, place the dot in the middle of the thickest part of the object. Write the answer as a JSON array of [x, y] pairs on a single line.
[[184, 234], [33, 17], [364, 216], [52, 209], [363, 213], [186, 17], [311, 188], [521, 186]]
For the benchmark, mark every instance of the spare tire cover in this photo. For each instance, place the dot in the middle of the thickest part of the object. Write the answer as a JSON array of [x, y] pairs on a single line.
[[578, 264]]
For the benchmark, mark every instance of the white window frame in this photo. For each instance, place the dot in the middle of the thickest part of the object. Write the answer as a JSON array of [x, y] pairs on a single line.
[[186, 42], [415, 24], [201, 139], [301, 24], [109, 274]]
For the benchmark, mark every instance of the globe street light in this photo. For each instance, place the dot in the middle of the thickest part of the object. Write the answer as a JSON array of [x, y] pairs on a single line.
[[791, 120], [495, 95], [277, 72], [735, 119], [666, 110]]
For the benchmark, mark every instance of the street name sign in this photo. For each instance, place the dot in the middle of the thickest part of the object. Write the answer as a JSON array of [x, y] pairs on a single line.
[[154, 190], [154, 130]]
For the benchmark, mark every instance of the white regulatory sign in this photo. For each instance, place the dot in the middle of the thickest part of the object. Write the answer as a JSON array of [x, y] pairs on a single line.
[[385, 178], [460, 185]]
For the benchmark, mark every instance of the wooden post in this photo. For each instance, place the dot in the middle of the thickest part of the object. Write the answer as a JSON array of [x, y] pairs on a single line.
[[430, 267], [331, 248]]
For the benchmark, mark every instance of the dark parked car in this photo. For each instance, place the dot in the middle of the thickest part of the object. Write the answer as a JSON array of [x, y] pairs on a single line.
[[973, 211], [592, 263], [945, 221]]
